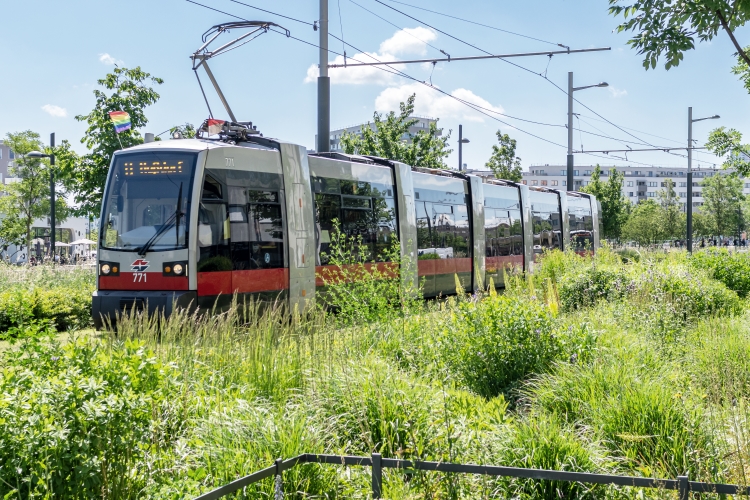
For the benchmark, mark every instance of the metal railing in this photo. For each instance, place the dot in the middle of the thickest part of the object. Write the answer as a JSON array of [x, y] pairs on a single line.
[[682, 484]]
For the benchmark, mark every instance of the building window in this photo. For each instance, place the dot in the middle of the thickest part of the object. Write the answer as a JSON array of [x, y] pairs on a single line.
[[653, 184], [544, 183], [575, 172], [1, 153], [554, 183], [651, 194], [534, 183], [630, 183], [523, 182], [630, 193], [587, 172], [650, 173], [683, 184], [628, 173], [563, 172], [683, 194], [11, 155], [585, 183]]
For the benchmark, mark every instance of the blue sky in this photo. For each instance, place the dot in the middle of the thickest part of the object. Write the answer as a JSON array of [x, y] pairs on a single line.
[[55, 52]]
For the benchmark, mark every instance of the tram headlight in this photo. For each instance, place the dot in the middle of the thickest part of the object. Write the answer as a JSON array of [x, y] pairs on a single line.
[[109, 269], [174, 268]]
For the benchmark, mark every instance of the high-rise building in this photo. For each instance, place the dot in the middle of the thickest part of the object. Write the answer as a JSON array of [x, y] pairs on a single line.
[[640, 183]]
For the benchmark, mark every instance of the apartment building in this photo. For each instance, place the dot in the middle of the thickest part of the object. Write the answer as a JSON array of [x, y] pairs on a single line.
[[641, 183]]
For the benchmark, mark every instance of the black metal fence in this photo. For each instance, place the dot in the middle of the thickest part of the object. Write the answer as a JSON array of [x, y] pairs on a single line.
[[682, 484]]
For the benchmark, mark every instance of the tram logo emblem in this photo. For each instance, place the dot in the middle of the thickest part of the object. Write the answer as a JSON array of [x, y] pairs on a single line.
[[139, 265]]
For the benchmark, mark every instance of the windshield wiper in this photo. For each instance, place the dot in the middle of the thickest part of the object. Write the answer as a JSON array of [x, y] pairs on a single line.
[[165, 227]]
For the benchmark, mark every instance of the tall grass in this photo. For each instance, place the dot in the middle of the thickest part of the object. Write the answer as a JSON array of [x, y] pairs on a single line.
[[652, 381]]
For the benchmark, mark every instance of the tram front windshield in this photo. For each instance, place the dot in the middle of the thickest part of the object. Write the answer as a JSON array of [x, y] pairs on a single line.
[[148, 201]]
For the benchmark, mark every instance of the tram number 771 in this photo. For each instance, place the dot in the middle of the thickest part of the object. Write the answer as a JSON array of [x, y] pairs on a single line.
[[139, 277]]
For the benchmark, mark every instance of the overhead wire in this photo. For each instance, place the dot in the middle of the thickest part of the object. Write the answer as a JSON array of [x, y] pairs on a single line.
[[398, 27], [341, 26], [480, 24], [525, 69]]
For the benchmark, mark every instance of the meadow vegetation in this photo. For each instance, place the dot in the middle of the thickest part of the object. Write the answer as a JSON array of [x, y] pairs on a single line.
[[612, 364]]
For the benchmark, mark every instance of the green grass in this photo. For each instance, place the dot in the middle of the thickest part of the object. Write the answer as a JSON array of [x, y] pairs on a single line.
[[651, 381]]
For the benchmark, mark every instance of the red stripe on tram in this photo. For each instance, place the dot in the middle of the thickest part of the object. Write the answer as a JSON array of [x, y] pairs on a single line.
[[143, 281], [229, 282]]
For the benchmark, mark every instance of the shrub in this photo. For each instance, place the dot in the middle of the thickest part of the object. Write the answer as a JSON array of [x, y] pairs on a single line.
[[495, 343], [732, 269], [692, 293], [591, 285], [64, 307], [360, 291], [78, 420]]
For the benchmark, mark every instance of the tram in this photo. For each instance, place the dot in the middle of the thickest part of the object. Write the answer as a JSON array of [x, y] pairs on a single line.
[[191, 222]]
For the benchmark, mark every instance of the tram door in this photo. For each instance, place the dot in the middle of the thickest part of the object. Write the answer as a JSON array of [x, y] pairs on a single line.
[[241, 237]]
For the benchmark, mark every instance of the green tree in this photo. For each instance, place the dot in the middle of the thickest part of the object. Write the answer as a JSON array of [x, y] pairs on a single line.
[[126, 90], [728, 142], [27, 198], [187, 130], [644, 224], [391, 139], [722, 203], [504, 163], [672, 219], [669, 28], [615, 207]]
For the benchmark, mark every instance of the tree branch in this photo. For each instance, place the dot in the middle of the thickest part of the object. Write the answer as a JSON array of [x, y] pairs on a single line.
[[734, 40]]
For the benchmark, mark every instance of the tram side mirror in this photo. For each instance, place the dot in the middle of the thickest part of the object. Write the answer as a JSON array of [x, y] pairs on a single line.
[[204, 235], [120, 203]]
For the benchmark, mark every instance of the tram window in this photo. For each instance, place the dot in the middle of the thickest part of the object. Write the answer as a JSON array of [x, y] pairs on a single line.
[[424, 238], [362, 209], [444, 225], [516, 232], [211, 189], [327, 210], [266, 248], [462, 236], [213, 238], [155, 215]]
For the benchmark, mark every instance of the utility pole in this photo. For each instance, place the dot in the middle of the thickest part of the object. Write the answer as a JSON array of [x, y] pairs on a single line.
[[460, 147], [690, 182], [52, 197], [324, 85], [570, 182], [461, 142], [690, 175], [569, 172]]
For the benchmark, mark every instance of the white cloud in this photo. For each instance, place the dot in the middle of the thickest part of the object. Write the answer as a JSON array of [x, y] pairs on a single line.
[[55, 111], [617, 92], [405, 41], [109, 60], [432, 103], [408, 41]]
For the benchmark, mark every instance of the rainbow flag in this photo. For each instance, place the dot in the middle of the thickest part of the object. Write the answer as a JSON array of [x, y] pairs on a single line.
[[121, 120]]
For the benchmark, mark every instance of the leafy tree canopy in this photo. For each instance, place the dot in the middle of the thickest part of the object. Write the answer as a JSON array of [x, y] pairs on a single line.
[[391, 139], [669, 28], [615, 207], [27, 199], [124, 89], [722, 203], [728, 142], [504, 163], [673, 220], [643, 225]]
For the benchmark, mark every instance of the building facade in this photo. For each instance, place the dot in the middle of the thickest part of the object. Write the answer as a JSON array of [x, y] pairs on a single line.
[[640, 183], [6, 161], [423, 124]]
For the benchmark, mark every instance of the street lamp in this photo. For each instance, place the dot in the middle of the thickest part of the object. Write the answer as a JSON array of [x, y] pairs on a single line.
[[572, 89], [690, 175], [37, 154], [461, 142]]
